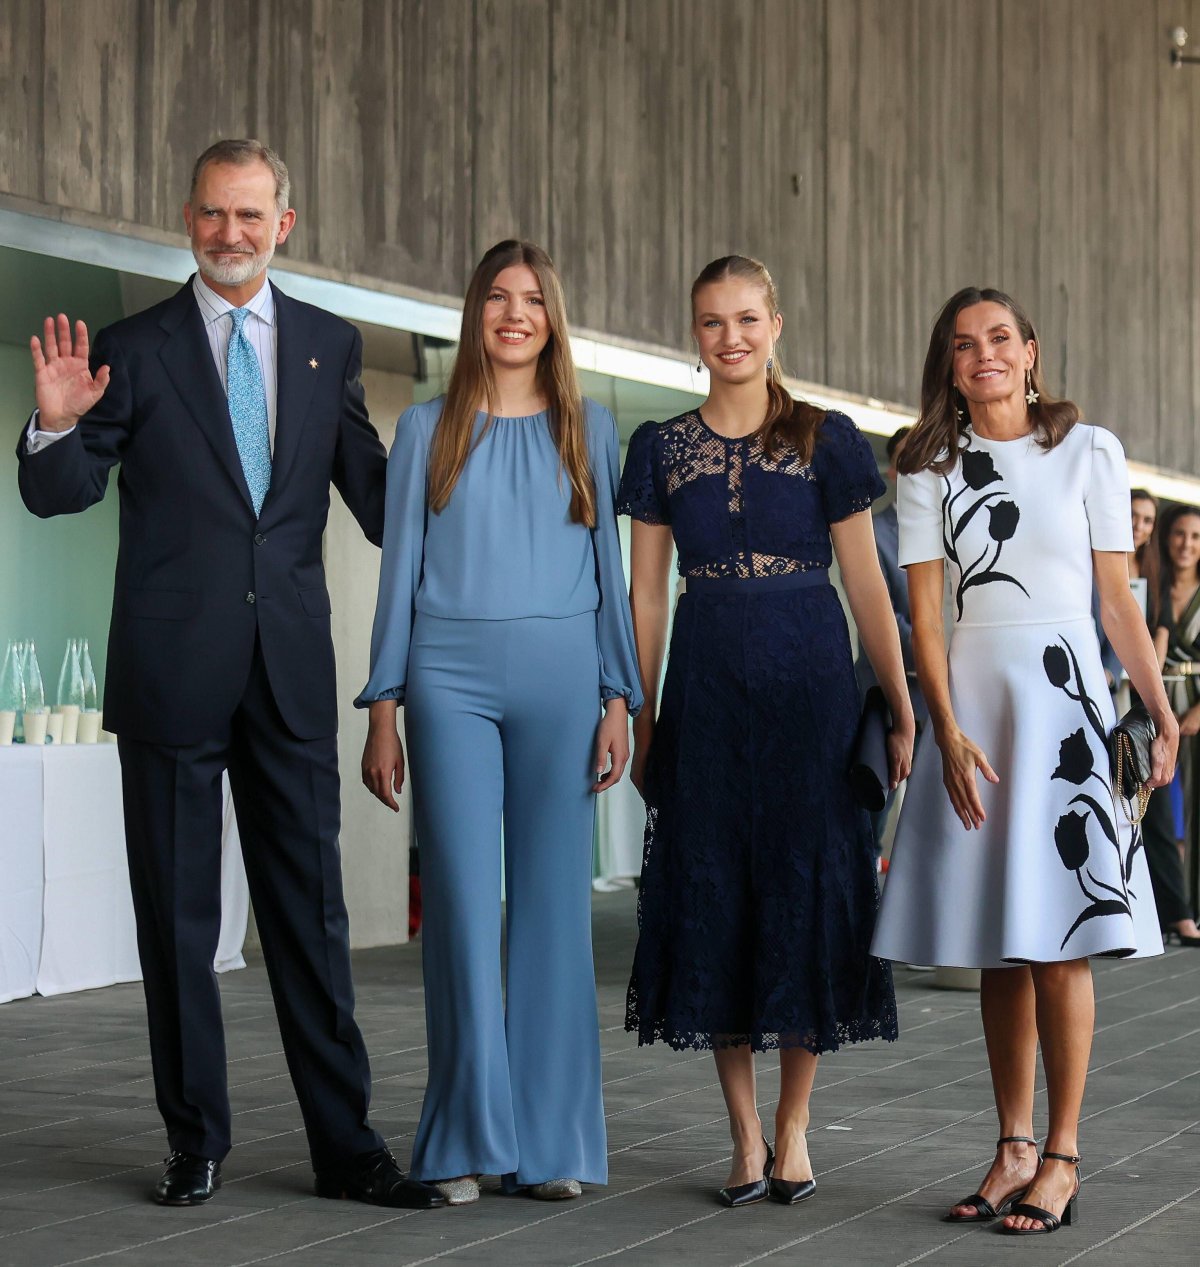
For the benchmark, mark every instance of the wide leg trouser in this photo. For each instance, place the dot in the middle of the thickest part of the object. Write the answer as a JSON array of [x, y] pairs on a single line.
[[285, 792], [500, 718]]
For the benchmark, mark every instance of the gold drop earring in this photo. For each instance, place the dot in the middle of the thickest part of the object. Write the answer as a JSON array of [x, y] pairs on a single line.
[[1031, 397]]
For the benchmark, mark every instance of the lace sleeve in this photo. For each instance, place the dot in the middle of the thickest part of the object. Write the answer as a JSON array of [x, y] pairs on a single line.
[[642, 495], [846, 470]]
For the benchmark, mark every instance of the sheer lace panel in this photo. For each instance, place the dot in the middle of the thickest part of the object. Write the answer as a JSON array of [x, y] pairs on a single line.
[[693, 451]]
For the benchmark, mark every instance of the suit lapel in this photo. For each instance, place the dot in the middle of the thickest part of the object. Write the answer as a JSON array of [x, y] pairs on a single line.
[[187, 358], [296, 379]]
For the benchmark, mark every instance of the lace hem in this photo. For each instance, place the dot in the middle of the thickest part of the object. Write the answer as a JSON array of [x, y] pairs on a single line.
[[819, 1042]]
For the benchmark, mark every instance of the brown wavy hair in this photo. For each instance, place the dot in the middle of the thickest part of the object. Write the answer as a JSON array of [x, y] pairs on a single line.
[[788, 421], [944, 419], [1149, 556], [472, 380]]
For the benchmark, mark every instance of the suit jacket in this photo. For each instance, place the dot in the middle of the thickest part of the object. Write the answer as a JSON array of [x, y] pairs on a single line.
[[887, 544], [198, 577]]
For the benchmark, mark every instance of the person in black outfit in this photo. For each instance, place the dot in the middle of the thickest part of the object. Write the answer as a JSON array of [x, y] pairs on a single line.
[[886, 527], [230, 408]]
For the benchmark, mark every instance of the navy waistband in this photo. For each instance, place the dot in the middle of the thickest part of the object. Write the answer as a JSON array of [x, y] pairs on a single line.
[[755, 584]]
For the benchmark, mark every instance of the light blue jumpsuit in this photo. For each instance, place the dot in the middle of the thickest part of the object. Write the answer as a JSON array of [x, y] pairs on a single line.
[[500, 626]]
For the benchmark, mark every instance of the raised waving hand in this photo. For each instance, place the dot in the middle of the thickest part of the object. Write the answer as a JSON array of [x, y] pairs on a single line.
[[63, 381]]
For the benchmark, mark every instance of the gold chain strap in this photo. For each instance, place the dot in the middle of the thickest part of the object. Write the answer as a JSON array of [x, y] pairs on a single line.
[[1142, 795]]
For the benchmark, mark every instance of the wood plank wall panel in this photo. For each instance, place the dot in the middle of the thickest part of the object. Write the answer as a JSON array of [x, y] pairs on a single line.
[[22, 66], [782, 174], [88, 105], [511, 122], [954, 198], [620, 95], [1178, 273], [416, 137], [1041, 244], [872, 199], [876, 153]]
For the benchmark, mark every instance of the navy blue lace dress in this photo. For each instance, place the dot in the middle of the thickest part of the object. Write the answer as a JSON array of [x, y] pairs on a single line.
[[758, 884]]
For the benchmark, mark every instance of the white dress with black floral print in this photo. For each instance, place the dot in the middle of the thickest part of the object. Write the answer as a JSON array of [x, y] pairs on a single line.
[[1056, 872]]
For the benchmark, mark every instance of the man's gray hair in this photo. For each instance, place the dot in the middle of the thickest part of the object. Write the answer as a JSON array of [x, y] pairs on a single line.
[[242, 152]]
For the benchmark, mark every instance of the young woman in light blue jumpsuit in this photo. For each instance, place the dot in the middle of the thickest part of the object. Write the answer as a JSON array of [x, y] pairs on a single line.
[[502, 626]]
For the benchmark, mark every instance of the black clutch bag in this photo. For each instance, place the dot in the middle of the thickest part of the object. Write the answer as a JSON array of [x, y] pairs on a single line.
[[869, 774], [1129, 760]]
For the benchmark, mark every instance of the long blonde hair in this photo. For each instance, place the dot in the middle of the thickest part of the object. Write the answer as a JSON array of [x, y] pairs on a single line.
[[472, 380], [788, 421]]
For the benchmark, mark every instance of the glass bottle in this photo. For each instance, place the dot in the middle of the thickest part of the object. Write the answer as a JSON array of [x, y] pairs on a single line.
[[70, 679], [12, 693], [35, 692], [88, 676]]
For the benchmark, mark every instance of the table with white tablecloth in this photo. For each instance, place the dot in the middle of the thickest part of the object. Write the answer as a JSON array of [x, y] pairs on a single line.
[[66, 913]]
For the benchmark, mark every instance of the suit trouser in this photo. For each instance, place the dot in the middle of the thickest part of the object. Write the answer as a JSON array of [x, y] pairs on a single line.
[[286, 794], [501, 719], [1163, 859]]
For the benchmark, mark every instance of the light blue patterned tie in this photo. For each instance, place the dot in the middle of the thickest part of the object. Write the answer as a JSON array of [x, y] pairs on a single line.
[[248, 409]]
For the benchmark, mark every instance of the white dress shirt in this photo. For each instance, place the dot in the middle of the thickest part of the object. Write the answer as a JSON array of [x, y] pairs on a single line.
[[261, 329]]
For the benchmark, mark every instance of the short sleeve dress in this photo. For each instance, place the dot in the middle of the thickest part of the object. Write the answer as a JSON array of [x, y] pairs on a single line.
[[758, 883], [1057, 872]]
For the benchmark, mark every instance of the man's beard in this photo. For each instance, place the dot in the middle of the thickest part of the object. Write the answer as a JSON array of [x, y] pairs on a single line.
[[233, 272]]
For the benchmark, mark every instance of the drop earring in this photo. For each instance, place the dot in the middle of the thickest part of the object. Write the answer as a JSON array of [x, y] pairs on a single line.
[[770, 363], [1031, 397], [699, 365]]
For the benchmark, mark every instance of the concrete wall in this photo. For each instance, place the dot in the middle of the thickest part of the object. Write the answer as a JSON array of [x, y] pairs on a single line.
[[877, 153]]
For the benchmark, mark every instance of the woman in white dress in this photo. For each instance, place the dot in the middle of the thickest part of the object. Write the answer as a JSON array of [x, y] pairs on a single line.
[[1032, 869]]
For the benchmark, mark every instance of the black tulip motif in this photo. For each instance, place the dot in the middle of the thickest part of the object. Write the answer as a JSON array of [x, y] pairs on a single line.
[[1057, 666], [1003, 520], [1070, 838], [978, 469], [1076, 762]]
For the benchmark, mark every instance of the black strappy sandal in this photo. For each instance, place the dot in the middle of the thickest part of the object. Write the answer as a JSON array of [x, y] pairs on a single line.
[[1050, 1222], [984, 1210]]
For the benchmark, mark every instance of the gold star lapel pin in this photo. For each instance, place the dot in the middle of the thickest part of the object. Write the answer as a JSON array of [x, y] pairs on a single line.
[[312, 364]]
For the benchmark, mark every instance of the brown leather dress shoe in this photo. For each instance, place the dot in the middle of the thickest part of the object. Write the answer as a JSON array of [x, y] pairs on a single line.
[[188, 1180], [376, 1179]]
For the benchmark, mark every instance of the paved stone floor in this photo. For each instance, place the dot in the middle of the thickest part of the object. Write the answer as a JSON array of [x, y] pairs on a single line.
[[899, 1131]]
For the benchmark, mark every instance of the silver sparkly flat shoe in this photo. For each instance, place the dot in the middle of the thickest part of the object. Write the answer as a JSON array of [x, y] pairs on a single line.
[[555, 1190], [463, 1191]]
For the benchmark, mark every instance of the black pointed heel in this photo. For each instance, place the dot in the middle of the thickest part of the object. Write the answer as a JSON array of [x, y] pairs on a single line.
[[749, 1193], [791, 1191], [1050, 1221], [984, 1210]]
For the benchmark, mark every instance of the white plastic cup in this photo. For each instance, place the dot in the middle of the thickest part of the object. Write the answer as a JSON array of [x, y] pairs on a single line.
[[8, 723], [54, 728], [35, 727], [70, 716], [89, 726]]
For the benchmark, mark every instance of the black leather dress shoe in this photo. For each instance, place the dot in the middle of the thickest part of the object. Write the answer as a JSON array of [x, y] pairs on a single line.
[[188, 1180], [376, 1179], [792, 1191]]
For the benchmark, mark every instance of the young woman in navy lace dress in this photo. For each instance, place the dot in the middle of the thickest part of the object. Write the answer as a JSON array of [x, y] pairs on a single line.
[[758, 886]]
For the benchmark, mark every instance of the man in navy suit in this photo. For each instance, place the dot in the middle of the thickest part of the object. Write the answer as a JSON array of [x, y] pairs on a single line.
[[887, 545], [231, 409]]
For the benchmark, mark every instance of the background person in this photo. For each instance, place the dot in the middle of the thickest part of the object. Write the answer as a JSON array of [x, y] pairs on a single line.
[[1177, 641], [887, 544], [231, 409], [1001, 484], [758, 889], [503, 628]]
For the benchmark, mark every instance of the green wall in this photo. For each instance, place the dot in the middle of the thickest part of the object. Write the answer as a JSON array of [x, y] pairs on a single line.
[[56, 575]]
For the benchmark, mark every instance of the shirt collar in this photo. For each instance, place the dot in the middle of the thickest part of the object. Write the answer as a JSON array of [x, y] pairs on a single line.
[[213, 307]]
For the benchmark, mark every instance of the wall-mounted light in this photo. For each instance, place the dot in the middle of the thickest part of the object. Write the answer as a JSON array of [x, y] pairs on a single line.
[[1179, 39]]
